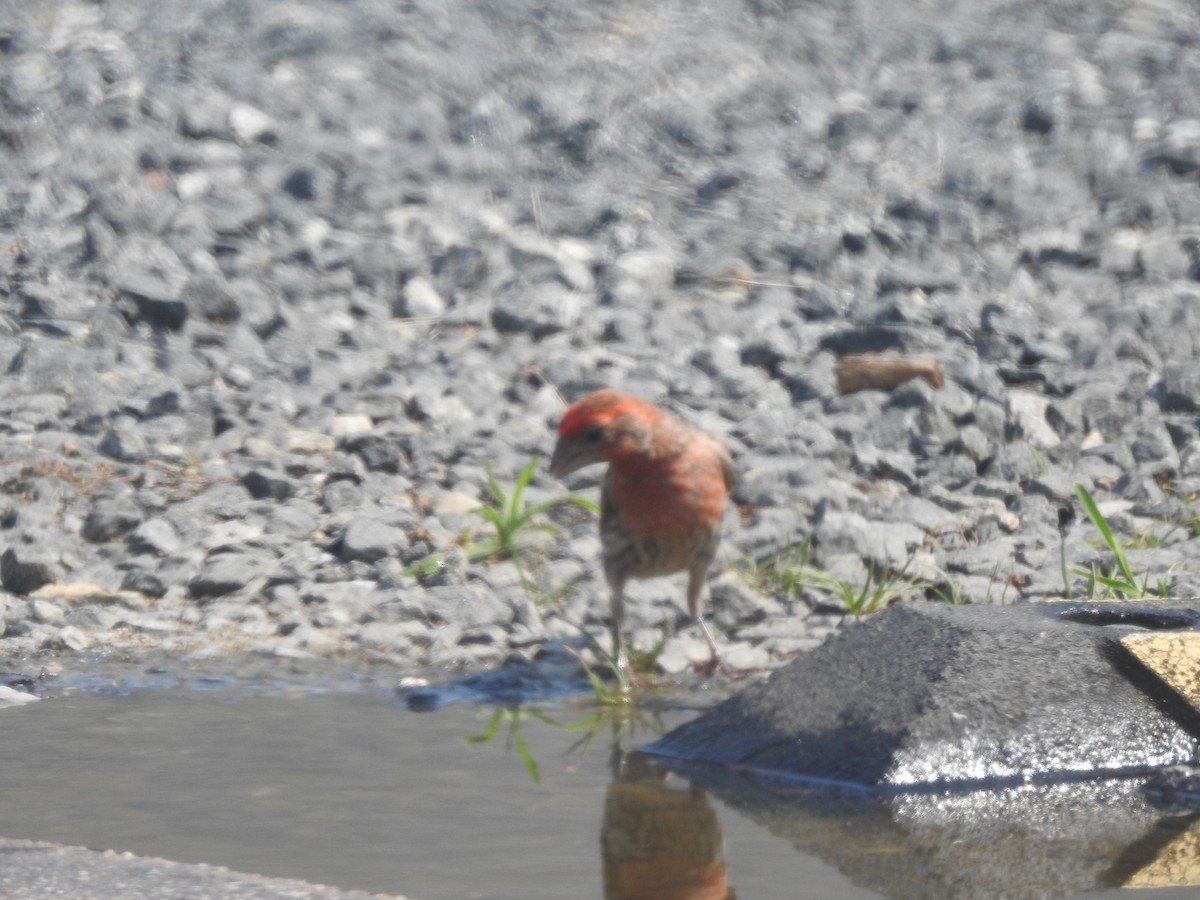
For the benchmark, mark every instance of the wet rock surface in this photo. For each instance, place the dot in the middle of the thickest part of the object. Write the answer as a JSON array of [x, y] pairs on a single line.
[[930, 697], [279, 282]]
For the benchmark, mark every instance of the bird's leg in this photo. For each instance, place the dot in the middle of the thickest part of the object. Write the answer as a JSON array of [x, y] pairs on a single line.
[[620, 652], [695, 584], [715, 659]]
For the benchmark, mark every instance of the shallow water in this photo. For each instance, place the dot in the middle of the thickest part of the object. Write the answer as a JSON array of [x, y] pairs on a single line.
[[346, 788]]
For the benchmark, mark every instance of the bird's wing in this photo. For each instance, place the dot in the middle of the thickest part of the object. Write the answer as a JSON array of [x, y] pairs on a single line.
[[726, 465], [721, 453]]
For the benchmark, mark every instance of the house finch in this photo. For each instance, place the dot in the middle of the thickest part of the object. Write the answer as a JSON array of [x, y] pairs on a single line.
[[662, 499]]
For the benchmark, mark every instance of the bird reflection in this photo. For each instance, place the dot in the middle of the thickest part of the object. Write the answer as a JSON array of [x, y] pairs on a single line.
[[659, 842]]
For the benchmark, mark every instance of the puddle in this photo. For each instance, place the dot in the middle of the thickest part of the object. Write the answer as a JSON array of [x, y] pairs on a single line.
[[344, 789], [347, 788]]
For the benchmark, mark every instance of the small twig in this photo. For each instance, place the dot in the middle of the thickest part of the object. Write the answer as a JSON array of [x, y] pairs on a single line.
[[885, 373]]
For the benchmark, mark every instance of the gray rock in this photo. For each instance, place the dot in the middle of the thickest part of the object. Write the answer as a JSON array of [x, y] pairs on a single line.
[[380, 452], [1055, 485], [212, 299], [918, 511], [1151, 445], [68, 637], [92, 617], [226, 573], [46, 612], [144, 582], [391, 637], [974, 443], [1179, 390], [156, 535], [264, 484], [27, 565], [539, 310], [152, 276], [996, 556], [370, 539], [469, 606], [838, 532], [734, 602], [110, 518], [124, 442]]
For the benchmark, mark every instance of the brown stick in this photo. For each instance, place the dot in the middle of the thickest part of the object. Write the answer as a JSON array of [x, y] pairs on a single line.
[[885, 373]]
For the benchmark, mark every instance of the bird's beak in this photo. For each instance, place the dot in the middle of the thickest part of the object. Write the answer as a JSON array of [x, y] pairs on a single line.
[[570, 456], [560, 461]]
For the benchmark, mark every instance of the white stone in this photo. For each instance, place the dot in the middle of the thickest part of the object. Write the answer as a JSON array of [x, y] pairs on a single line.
[[249, 123], [344, 426], [12, 697], [1029, 411]]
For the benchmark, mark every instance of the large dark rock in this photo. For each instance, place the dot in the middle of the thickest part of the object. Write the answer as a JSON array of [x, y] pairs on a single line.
[[1021, 751], [930, 695]]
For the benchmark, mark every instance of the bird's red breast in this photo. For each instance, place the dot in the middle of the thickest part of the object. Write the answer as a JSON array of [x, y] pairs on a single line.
[[681, 492]]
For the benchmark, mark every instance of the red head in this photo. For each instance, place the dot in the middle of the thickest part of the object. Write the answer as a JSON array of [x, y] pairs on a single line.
[[602, 424]]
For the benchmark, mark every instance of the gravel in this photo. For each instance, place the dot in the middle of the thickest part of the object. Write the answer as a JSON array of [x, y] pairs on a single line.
[[281, 283]]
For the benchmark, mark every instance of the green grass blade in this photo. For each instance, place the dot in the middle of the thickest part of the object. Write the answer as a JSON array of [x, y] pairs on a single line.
[[1120, 585], [489, 730], [590, 505], [489, 513], [542, 717], [494, 488], [531, 765], [588, 723], [538, 508], [425, 567], [482, 549], [1062, 561], [513, 508], [1118, 552], [602, 691], [526, 474]]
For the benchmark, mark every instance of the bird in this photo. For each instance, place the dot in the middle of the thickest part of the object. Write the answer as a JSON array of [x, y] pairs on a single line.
[[662, 500]]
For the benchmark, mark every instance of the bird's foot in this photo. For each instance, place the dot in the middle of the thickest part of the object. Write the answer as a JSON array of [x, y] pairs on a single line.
[[717, 666], [626, 675], [627, 678]]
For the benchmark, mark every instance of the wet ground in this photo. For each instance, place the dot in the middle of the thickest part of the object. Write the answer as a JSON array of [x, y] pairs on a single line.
[[338, 784]]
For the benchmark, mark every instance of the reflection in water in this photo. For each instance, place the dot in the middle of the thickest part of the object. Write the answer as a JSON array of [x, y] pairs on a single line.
[[1050, 840], [659, 842], [661, 839]]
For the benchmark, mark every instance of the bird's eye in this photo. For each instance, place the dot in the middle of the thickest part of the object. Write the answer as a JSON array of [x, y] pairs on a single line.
[[593, 434]]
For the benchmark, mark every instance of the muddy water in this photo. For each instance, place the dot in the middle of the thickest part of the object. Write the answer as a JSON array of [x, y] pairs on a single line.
[[349, 790]]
